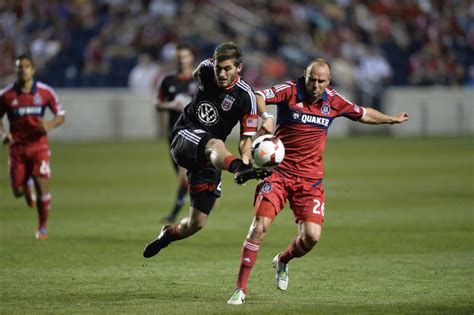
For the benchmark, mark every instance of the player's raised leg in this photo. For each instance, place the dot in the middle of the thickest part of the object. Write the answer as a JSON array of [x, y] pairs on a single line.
[[309, 235], [188, 226], [223, 159]]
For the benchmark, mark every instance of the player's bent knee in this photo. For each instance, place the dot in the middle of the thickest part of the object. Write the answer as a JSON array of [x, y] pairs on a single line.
[[312, 238]]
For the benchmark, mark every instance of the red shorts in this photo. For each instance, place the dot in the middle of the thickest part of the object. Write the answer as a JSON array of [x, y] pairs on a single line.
[[306, 198], [26, 161]]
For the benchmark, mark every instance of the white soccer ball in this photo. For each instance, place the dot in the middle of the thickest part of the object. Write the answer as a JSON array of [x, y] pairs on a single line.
[[267, 151]]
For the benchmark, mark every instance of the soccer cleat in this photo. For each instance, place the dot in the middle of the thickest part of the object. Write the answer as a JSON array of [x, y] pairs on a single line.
[[30, 196], [238, 298], [281, 273], [41, 234], [247, 172], [154, 247]]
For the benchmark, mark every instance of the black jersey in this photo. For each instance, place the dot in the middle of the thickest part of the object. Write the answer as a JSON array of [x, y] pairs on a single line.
[[218, 110], [171, 87]]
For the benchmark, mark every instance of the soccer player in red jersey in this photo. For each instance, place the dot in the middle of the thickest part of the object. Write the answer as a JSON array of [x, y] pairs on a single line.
[[25, 102], [175, 92], [223, 100], [306, 108]]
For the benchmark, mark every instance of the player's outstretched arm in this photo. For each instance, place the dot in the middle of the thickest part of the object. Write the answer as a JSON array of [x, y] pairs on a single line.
[[374, 117]]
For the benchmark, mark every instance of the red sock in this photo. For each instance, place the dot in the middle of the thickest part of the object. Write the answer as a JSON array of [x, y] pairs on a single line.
[[43, 205], [173, 233], [248, 257], [296, 249]]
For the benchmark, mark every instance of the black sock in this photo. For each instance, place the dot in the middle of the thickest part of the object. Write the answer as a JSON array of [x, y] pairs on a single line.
[[235, 165]]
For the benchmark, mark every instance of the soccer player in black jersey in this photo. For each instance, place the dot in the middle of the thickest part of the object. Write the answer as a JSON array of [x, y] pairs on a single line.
[[223, 99], [175, 92]]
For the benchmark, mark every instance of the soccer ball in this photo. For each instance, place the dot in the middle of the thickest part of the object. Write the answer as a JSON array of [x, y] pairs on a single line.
[[267, 151]]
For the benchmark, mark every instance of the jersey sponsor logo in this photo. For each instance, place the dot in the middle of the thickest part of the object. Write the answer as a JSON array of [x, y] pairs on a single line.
[[207, 113], [310, 119], [325, 109], [37, 100], [28, 110], [268, 93], [267, 187], [227, 102]]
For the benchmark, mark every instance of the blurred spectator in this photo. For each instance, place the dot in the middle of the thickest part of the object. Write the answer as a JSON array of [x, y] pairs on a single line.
[[425, 42], [371, 77], [145, 74], [44, 47]]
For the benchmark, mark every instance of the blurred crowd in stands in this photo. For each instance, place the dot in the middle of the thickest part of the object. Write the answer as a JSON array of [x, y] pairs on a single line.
[[119, 43]]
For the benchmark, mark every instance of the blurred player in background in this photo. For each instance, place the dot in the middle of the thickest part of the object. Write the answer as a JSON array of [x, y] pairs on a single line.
[[306, 108], [223, 100], [25, 102], [175, 92]]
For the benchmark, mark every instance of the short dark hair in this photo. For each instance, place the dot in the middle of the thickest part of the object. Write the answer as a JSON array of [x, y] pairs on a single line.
[[27, 57], [183, 46], [228, 50]]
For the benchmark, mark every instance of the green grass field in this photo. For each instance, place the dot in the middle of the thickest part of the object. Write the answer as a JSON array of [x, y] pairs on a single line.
[[398, 236]]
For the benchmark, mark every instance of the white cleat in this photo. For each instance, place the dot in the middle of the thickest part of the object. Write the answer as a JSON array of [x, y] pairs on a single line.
[[281, 273], [238, 298]]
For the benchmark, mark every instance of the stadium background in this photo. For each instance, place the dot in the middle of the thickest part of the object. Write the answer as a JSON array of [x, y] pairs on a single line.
[[399, 232]]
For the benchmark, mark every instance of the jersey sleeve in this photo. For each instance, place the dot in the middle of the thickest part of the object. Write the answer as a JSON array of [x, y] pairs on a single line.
[[206, 73], [249, 120], [54, 104], [277, 94], [163, 87], [347, 109]]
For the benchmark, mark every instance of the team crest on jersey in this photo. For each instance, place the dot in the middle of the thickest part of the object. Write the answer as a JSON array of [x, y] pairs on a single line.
[[207, 113], [268, 93], [227, 102], [37, 100], [266, 187], [326, 109]]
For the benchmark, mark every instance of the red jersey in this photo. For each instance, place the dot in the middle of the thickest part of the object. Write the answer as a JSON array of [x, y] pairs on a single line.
[[302, 126], [25, 110]]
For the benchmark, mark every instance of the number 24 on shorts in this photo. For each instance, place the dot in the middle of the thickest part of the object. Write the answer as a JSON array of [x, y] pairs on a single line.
[[318, 207]]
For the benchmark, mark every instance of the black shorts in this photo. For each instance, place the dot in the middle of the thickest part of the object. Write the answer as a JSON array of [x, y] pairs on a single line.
[[187, 149]]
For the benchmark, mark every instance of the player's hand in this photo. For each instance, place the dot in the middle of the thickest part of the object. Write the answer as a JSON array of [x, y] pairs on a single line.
[[266, 127], [44, 126], [400, 118]]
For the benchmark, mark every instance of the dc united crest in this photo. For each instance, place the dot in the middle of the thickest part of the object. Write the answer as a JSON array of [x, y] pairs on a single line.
[[207, 113], [326, 109], [227, 102]]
